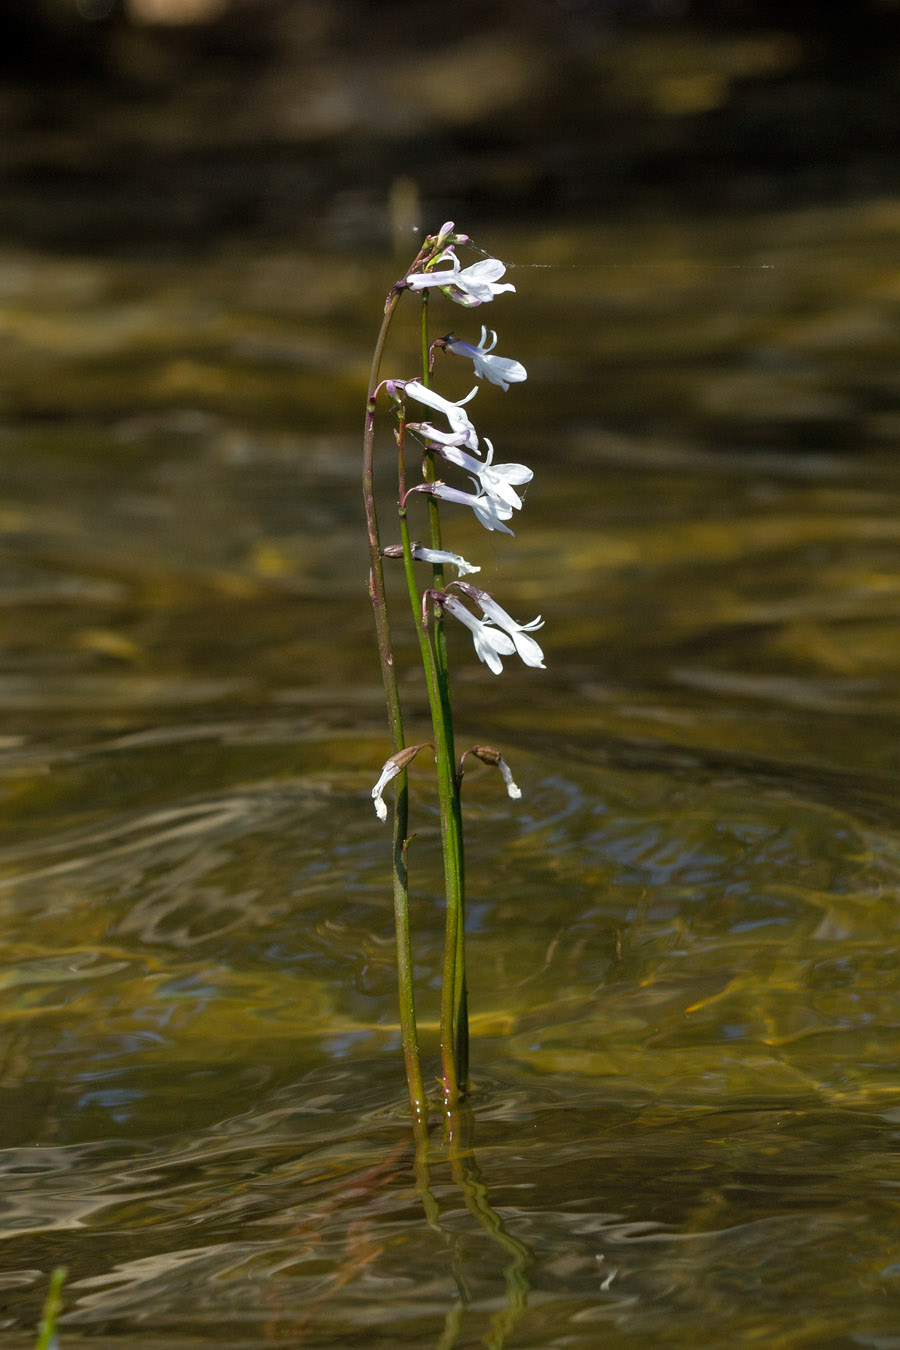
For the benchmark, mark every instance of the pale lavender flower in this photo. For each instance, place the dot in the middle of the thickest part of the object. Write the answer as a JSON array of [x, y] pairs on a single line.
[[494, 480], [444, 557], [526, 646], [490, 643], [458, 419], [435, 438], [498, 369], [490, 511], [469, 286]]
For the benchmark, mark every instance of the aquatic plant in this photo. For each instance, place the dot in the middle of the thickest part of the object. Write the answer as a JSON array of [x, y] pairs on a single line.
[[495, 634], [48, 1338]]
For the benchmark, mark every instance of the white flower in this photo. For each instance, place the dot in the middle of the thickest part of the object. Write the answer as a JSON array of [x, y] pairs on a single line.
[[468, 286], [498, 369], [442, 555], [396, 764], [512, 788], [495, 480], [459, 420], [490, 511], [526, 646], [389, 772], [435, 438], [490, 643], [488, 755]]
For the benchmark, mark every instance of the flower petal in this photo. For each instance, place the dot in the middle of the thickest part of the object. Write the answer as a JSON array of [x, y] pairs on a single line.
[[490, 643], [529, 650], [500, 370], [454, 413], [442, 555], [489, 511], [390, 771]]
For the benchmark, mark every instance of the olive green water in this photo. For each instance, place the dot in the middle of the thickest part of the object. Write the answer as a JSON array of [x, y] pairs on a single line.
[[684, 940]]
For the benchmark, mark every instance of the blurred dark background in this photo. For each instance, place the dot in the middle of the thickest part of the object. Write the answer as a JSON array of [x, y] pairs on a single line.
[[162, 124]]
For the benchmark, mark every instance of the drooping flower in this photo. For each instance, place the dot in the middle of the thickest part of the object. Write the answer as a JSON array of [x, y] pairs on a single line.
[[388, 773], [498, 369], [458, 419], [392, 766], [489, 510], [490, 643], [512, 788], [469, 286], [495, 480], [443, 556], [488, 755], [526, 646]]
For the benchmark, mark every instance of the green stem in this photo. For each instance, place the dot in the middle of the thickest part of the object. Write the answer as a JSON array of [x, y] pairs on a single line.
[[408, 1030], [451, 841], [47, 1333], [457, 1024]]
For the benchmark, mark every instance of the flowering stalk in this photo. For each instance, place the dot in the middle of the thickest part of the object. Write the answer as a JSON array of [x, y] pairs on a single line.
[[495, 633]]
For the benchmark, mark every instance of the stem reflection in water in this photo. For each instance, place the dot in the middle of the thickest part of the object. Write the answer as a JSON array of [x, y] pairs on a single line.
[[460, 1155]]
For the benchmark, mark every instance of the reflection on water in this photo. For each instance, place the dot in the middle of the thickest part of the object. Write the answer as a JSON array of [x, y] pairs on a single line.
[[684, 956]]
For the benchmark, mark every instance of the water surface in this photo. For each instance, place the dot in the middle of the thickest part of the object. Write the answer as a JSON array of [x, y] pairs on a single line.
[[684, 940]]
